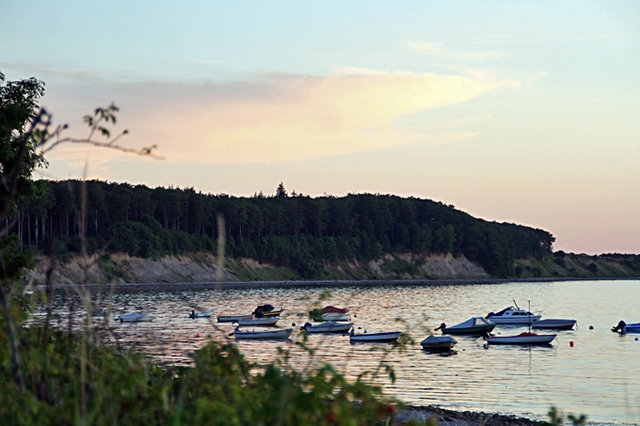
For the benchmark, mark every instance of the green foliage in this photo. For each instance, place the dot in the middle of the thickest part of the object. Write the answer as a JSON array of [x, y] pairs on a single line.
[[18, 156], [13, 261], [556, 418], [71, 380], [68, 379], [223, 388]]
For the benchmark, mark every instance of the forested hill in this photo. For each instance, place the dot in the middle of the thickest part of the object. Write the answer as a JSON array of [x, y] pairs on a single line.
[[289, 230]]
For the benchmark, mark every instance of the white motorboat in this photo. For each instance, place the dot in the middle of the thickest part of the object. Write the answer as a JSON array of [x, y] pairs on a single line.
[[438, 343], [328, 327], [263, 321], [513, 316], [554, 324], [383, 337], [201, 314], [277, 334], [135, 317], [522, 339]]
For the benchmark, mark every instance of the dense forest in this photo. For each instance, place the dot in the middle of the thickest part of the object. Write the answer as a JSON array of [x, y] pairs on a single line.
[[291, 230]]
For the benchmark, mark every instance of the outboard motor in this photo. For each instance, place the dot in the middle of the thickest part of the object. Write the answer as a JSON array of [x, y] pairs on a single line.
[[620, 327]]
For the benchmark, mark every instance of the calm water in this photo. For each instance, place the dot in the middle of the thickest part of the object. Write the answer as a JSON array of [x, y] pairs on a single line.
[[599, 375]]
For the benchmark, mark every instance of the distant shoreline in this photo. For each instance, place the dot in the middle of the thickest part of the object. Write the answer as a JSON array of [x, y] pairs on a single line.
[[226, 285]]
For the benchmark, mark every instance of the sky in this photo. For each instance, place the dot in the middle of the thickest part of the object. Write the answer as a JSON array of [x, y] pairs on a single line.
[[524, 112]]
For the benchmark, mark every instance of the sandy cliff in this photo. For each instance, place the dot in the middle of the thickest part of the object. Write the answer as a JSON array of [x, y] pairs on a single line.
[[204, 267]]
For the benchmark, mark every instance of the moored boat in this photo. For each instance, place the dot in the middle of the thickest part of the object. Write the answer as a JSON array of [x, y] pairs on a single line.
[[328, 327], [554, 324], [135, 317], [264, 321], [233, 318], [438, 343], [513, 315], [266, 310], [201, 314], [382, 337], [336, 316], [475, 326], [330, 313], [623, 328], [278, 334], [526, 338]]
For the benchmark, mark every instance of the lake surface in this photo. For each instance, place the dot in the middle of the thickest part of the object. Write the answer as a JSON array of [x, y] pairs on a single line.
[[589, 370]]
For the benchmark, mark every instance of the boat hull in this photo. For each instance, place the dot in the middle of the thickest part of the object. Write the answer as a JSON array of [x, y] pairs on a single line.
[[328, 327], [525, 320], [265, 321], [336, 316], [280, 334], [522, 339], [135, 317], [385, 337], [233, 318], [554, 324], [631, 328], [469, 331]]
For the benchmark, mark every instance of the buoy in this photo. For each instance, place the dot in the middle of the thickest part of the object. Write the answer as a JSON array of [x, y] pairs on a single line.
[[571, 343], [197, 335], [590, 327]]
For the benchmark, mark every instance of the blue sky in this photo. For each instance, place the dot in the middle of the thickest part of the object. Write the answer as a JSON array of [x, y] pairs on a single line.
[[516, 111]]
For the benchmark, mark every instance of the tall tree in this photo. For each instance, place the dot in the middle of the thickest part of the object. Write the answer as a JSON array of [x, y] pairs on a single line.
[[26, 135], [18, 147]]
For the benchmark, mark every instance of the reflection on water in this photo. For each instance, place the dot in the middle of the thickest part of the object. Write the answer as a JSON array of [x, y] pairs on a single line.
[[597, 376]]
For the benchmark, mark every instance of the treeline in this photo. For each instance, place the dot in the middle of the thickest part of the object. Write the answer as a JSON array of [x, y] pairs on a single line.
[[293, 231]]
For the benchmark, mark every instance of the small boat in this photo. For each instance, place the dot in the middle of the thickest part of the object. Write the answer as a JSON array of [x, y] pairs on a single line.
[[513, 315], [475, 326], [266, 310], [624, 328], [383, 337], [330, 313], [135, 317], [99, 312], [264, 321], [233, 318], [554, 324], [526, 338], [327, 327], [278, 334], [438, 343], [201, 314], [335, 316]]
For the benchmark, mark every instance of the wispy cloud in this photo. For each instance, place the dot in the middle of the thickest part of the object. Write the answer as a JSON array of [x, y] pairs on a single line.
[[436, 49], [284, 117], [207, 62], [278, 117]]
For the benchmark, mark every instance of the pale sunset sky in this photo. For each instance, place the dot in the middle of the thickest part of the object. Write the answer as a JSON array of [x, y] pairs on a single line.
[[513, 111]]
